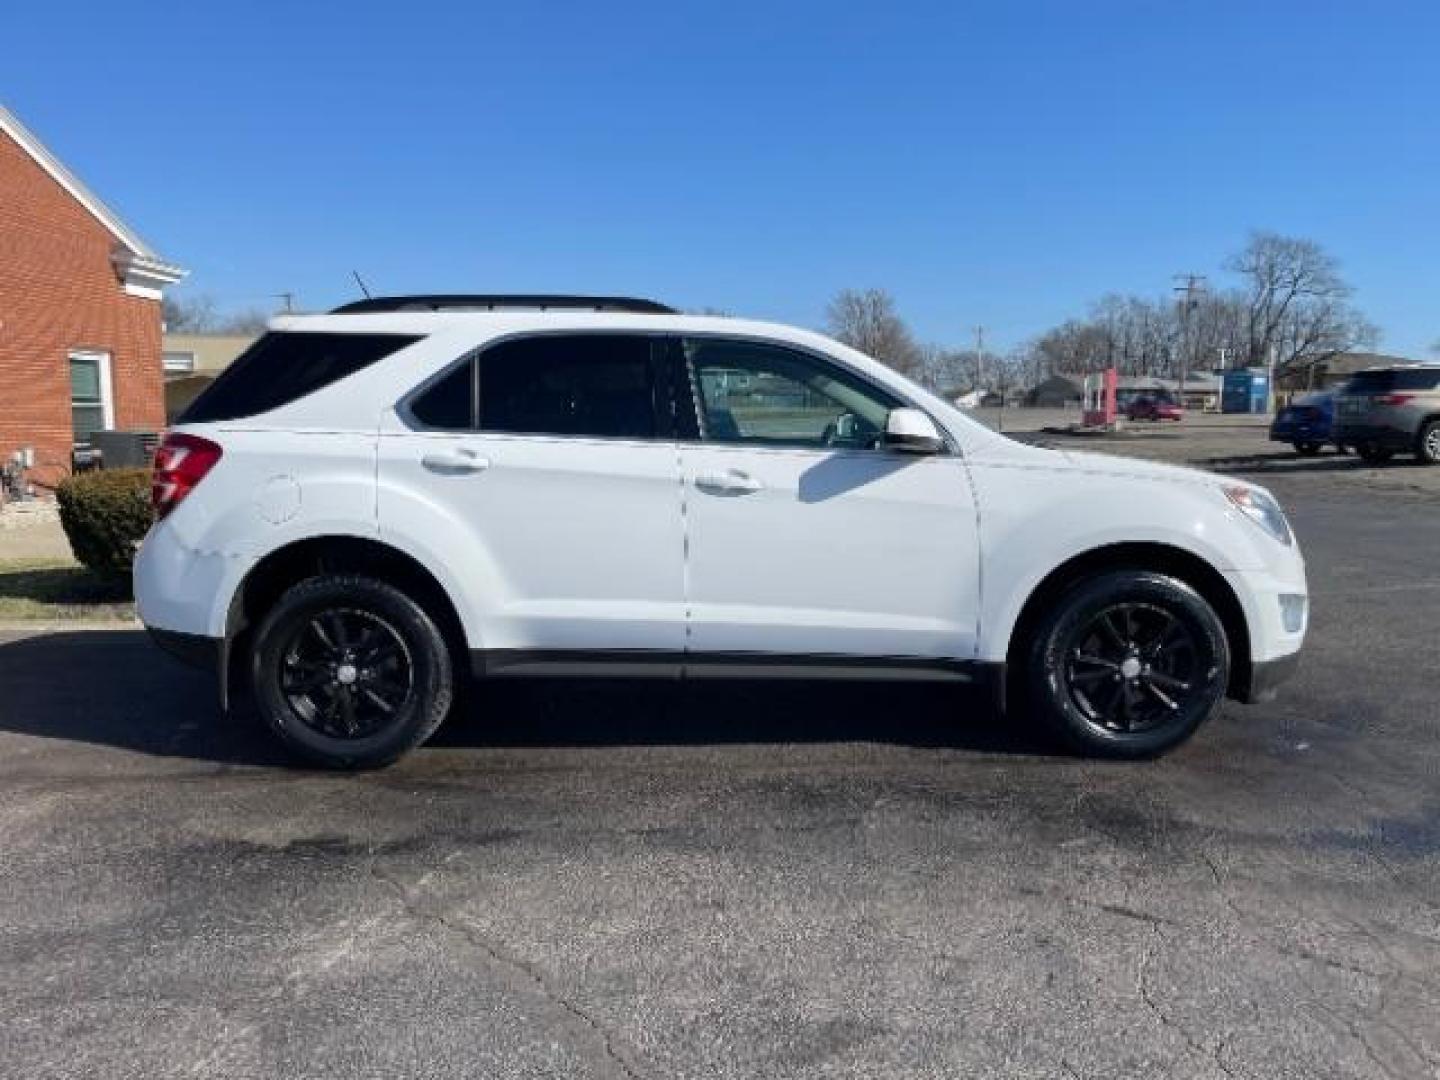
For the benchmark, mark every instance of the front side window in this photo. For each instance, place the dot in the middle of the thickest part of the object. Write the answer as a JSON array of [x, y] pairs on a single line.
[[768, 395], [595, 385], [89, 394]]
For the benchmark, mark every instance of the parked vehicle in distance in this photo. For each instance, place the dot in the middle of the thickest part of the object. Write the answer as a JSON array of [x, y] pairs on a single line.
[[1307, 423], [1387, 410], [369, 506], [1154, 407]]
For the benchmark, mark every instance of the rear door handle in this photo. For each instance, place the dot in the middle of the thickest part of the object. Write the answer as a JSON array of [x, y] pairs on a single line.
[[730, 482], [455, 462]]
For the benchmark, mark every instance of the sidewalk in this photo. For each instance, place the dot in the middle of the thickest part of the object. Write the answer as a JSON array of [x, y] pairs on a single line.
[[30, 531]]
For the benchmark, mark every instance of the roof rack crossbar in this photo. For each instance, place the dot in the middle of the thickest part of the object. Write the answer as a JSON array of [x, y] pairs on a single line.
[[502, 302]]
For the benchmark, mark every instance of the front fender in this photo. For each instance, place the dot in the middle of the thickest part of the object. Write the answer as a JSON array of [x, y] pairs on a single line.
[[1035, 520]]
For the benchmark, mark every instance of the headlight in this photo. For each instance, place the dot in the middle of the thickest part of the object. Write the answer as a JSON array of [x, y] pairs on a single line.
[[1262, 509]]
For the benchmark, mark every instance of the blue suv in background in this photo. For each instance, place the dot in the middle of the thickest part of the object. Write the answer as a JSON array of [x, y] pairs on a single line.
[[1307, 423]]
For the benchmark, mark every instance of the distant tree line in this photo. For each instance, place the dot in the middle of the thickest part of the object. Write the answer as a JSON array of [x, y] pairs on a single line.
[[1286, 299], [200, 314]]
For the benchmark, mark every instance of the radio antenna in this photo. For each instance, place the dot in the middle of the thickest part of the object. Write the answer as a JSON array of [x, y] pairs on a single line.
[[361, 282]]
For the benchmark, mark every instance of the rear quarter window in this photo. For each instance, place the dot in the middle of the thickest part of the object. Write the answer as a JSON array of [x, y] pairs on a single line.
[[284, 366], [1394, 379]]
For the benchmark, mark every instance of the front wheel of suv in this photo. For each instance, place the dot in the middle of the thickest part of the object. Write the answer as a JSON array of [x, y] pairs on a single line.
[[1428, 443], [1127, 664], [350, 672]]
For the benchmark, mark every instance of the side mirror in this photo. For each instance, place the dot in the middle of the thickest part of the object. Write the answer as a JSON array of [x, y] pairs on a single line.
[[911, 431]]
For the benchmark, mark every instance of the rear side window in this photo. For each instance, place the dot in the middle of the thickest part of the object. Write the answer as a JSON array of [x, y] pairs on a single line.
[[285, 366], [583, 384], [1385, 382], [591, 385]]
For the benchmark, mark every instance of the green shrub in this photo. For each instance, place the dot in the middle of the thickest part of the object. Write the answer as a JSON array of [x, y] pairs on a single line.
[[105, 514]]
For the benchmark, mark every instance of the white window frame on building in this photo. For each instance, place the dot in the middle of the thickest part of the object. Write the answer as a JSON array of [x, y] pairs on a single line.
[[179, 361], [106, 400]]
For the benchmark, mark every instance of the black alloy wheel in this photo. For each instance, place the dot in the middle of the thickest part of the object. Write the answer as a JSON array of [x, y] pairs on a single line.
[[351, 672], [346, 673], [1131, 666], [1126, 664]]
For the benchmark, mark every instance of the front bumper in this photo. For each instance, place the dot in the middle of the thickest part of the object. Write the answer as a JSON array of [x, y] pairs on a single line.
[[1266, 677]]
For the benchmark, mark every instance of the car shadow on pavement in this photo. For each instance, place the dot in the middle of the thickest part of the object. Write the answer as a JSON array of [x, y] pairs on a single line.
[[115, 688], [719, 712]]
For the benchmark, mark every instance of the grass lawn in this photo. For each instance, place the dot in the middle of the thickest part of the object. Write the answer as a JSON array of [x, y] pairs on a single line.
[[52, 590]]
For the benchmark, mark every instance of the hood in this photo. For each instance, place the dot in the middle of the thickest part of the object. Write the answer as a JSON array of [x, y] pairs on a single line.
[[1008, 451]]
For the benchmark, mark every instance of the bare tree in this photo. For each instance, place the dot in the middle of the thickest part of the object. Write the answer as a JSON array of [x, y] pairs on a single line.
[[1297, 305], [200, 314], [189, 314], [949, 372], [867, 320], [249, 321]]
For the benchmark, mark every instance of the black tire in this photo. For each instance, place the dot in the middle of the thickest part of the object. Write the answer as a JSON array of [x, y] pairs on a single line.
[[1307, 449], [1172, 678], [350, 672], [1373, 453], [1427, 443]]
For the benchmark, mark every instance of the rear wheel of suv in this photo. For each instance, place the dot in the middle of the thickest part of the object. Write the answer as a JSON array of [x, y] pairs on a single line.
[[1127, 665], [1427, 447], [350, 672], [1373, 453]]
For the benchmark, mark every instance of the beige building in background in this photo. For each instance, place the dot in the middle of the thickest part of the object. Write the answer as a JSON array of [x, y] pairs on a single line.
[[191, 363]]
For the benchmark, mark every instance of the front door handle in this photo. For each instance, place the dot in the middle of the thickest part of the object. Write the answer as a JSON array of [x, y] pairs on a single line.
[[455, 462], [730, 482]]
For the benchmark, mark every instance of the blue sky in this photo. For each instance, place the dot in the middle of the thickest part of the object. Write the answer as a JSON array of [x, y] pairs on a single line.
[[996, 163]]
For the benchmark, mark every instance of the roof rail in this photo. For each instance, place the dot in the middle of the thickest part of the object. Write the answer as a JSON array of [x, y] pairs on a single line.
[[501, 302]]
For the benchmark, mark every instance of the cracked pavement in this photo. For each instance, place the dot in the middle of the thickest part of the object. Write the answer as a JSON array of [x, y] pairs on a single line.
[[646, 881]]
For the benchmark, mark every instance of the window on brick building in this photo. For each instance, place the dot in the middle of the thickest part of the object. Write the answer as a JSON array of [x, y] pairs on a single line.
[[91, 409]]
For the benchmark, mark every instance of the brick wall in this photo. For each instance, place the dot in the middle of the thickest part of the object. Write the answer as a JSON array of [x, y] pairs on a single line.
[[59, 291]]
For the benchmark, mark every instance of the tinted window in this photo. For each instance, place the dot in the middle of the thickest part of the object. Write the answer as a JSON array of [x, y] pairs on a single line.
[[284, 367], [769, 395], [450, 403], [583, 384], [1384, 382]]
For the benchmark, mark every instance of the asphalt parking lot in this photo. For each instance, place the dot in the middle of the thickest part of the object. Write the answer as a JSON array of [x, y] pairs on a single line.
[[739, 881]]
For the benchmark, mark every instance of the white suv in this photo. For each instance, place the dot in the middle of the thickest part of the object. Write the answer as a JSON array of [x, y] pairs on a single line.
[[370, 503]]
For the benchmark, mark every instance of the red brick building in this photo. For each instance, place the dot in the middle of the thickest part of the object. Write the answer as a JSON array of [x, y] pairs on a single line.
[[79, 311]]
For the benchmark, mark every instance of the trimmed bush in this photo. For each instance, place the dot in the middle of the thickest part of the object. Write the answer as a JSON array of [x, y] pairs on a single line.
[[105, 514]]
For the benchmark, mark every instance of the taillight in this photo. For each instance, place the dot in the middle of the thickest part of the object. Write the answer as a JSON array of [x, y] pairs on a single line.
[[181, 462], [1394, 399]]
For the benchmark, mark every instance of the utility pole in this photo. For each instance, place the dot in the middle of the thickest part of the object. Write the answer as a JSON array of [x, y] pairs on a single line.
[[1192, 289], [979, 357], [289, 298]]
